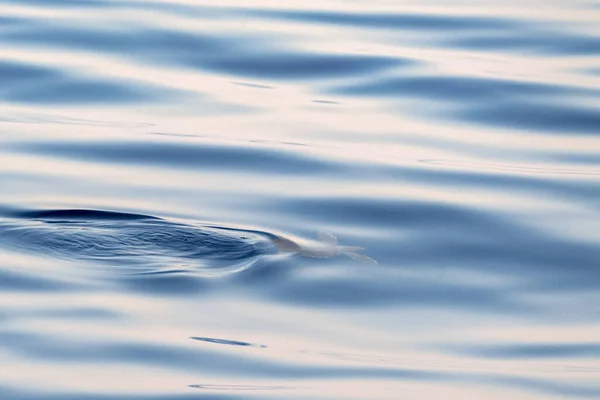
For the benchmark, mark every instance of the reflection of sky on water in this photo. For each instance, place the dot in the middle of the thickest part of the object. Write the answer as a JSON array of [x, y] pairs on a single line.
[[457, 143]]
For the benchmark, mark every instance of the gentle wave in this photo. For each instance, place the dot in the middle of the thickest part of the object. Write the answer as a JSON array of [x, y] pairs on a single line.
[[153, 151]]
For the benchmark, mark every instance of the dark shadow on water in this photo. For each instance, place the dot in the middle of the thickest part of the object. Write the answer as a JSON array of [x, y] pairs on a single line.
[[34, 84], [528, 351], [201, 156], [228, 342], [531, 42], [460, 89], [80, 214], [280, 65], [23, 282], [541, 117], [395, 21]]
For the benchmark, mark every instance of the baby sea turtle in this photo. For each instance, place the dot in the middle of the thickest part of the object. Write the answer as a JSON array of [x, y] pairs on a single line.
[[327, 246]]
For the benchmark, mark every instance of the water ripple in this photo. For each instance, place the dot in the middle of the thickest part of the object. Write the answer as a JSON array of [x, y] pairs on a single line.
[[140, 242], [153, 150], [407, 21], [228, 342], [533, 351], [183, 155], [523, 41], [35, 84]]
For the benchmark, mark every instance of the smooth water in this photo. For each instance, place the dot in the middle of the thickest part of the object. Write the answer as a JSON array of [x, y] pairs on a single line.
[[166, 166]]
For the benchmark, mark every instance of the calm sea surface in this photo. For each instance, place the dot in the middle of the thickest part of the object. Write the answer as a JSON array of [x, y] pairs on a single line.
[[173, 173]]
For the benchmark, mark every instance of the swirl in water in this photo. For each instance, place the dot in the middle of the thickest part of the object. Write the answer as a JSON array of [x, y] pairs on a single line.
[[149, 244]]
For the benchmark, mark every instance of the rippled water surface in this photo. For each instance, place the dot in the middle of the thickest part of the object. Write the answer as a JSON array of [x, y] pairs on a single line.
[[173, 173]]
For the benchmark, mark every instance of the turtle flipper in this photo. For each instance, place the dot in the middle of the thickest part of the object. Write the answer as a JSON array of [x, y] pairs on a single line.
[[328, 238], [359, 257]]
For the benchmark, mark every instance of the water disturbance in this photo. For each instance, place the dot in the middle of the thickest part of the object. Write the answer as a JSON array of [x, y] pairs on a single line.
[[299, 200]]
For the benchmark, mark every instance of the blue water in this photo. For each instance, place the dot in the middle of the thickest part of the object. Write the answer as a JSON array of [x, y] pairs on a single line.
[[166, 168]]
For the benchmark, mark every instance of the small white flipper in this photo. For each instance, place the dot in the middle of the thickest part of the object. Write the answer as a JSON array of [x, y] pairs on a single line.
[[328, 238], [326, 247], [359, 257]]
